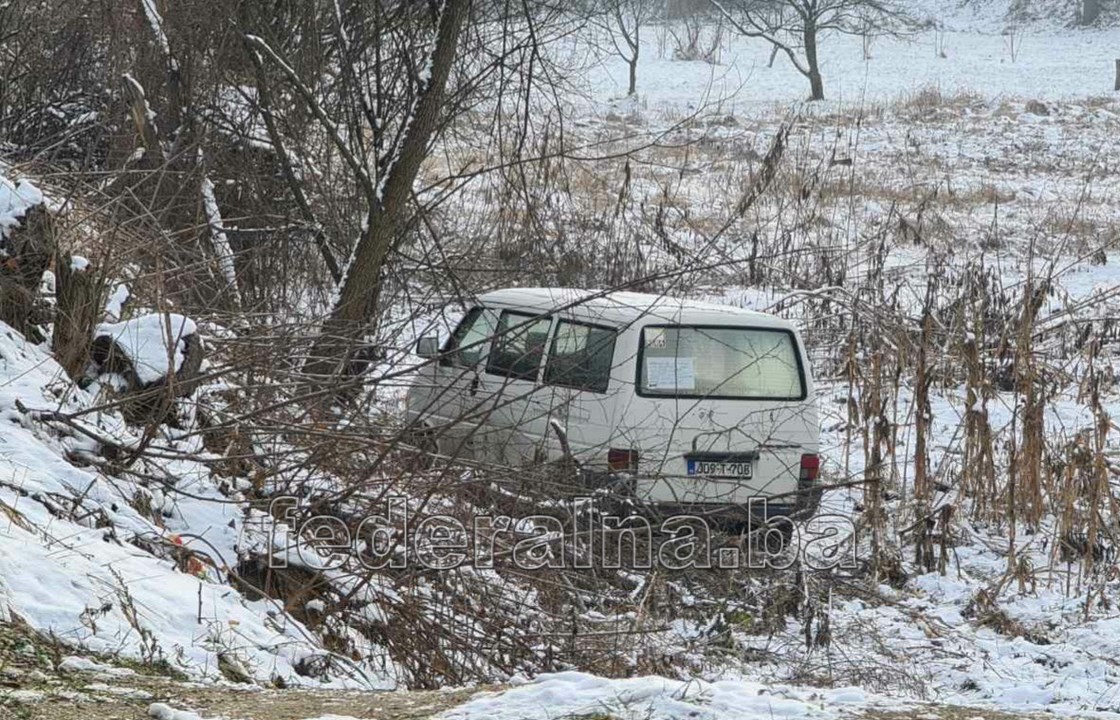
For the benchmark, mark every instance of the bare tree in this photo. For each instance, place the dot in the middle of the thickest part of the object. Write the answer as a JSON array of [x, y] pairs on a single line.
[[407, 74], [795, 27], [623, 20], [387, 202], [693, 43]]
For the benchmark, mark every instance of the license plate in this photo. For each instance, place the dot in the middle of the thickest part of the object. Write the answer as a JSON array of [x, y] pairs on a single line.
[[740, 469]]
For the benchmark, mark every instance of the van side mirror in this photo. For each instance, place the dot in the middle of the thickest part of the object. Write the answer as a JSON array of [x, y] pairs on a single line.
[[427, 347]]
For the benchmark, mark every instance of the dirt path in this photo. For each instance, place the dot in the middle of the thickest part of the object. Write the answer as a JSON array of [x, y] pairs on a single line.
[[39, 681], [129, 698], [84, 696]]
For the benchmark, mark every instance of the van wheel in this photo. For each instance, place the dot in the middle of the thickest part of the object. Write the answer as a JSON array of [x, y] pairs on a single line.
[[420, 449]]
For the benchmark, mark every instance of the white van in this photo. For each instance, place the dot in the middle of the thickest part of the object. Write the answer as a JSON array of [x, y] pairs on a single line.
[[699, 406]]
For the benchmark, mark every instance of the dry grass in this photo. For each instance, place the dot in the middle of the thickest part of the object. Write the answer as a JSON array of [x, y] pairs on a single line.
[[931, 102]]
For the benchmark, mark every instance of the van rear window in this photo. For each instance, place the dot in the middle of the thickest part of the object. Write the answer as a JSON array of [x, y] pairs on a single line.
[[720, 362]]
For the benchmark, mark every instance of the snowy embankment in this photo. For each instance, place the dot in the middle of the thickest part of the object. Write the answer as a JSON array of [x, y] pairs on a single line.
[[121, 552], [99, 562]]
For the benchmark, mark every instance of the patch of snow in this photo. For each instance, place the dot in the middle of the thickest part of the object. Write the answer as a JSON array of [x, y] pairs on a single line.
[[162, 711], [76, 664], [124, 692], [15, 200], [48, 284], [115, 304], [148, 339], [22, 697], [654, 698]]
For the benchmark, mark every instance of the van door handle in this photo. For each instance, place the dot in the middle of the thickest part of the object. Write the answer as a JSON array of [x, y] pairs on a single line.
[[474, 386]]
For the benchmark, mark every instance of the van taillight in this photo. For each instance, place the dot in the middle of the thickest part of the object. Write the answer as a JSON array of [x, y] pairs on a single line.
[[622, 460], [810, 467]]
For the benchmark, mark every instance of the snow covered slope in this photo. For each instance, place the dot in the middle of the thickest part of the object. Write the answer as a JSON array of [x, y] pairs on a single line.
[[108, 562]]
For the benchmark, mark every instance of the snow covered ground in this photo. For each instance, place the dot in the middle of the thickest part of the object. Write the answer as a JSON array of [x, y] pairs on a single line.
[[961, 140], [1048, 64], [576, 695], [98, 561]]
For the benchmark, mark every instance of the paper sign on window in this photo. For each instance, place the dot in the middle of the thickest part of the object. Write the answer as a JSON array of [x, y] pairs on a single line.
[[670, 373]]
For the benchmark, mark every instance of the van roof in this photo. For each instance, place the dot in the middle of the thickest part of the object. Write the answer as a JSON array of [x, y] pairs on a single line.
[[624, 308]]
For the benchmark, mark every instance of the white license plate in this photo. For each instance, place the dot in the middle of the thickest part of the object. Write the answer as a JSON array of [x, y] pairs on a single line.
[[739, 469]]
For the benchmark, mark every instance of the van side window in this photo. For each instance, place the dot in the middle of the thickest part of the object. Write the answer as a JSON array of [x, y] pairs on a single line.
[[468, 343], [581, 357], [519, 345]]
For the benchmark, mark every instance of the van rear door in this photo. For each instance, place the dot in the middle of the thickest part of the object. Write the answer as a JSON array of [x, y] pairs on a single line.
[[723, 413]]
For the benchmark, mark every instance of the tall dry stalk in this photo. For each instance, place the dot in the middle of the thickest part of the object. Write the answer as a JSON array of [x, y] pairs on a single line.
[[1025, 495], [923, 417], [1098, 490], [978, 475], [873, 411]]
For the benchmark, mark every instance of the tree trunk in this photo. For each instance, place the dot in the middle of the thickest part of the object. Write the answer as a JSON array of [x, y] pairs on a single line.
[[80, 295], [1090, 11], [219, 241], [816, 84], [633, 89], [30, 248], [354, 313], [633, 44]]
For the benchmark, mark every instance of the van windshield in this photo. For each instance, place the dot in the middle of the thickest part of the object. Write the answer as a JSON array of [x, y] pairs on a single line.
[[719, 362]]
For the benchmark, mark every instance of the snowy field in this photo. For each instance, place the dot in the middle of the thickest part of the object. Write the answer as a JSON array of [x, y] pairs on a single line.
[[1048, 64], [1002, 152]]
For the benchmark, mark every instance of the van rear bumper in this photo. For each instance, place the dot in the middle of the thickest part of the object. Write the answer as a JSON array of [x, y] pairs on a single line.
[[763, 509], [797, 505]]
